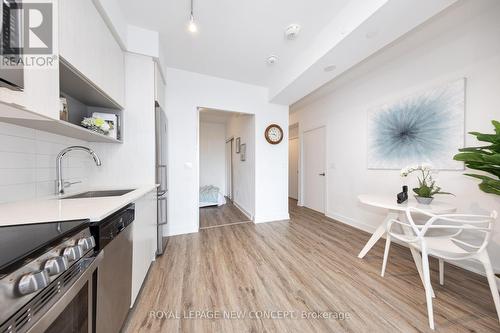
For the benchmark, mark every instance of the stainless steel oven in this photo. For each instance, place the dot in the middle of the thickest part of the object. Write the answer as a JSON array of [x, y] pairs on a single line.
[[74, 311], [48, 278]]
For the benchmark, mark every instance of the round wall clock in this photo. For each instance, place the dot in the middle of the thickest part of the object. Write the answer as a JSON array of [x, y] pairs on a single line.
[[273, 134]]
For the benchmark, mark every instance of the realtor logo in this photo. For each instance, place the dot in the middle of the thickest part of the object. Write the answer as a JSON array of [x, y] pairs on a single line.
[[26, 28]]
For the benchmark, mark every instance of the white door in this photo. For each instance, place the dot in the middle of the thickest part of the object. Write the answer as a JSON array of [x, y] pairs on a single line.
[[293, 168], [229, 169], [314, 160]]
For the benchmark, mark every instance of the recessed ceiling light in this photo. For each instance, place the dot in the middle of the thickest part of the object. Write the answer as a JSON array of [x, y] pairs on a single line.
[[271, 60], [292, 31], [330, 68]]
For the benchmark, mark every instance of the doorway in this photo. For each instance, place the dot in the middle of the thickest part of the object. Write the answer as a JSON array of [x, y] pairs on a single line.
[[226, 168], [229, 168], [293, 162], [314, 161]]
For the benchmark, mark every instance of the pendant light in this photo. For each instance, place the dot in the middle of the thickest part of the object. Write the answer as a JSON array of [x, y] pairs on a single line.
[[192, 24]]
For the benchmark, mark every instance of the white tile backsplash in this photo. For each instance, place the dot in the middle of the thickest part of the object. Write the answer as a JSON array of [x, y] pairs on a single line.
[[28, 163]]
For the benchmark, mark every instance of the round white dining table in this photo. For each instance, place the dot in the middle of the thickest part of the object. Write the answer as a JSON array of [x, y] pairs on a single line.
[[397, 211]]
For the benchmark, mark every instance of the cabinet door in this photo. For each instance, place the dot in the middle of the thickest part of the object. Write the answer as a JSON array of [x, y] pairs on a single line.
[[41, 85], [89, 46], [144, 240]]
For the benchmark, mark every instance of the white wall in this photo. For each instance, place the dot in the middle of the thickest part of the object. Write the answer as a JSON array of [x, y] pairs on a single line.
[[293, 162], [185, 92], [463, 42], [28, 163], [133, 162], [243, 126], [213, 155], [293, 168]]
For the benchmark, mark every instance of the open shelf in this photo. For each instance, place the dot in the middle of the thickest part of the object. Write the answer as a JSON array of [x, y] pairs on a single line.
[[16, 115], [83, 99]]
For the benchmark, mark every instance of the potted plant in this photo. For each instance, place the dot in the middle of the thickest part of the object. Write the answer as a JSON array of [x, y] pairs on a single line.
[[485, 158], [97, 125], [427, 187]]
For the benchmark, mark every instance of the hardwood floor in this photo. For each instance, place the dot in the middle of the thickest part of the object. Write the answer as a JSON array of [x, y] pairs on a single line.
[[221, 215], [308, 264]]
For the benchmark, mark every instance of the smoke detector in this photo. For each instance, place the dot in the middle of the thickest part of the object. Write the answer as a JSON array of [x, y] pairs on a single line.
[[271, 60], [292, 31]]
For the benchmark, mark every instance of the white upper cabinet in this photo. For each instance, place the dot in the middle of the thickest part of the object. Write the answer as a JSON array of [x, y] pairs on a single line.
[[87, 44], [41, 86], [159, 87]]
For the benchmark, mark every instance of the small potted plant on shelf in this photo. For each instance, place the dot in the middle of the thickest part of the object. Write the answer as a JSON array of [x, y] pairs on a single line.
[[97, 125], [427, 187]]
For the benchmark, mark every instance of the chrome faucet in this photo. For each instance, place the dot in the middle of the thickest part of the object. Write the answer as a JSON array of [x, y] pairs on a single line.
[[60, 183]]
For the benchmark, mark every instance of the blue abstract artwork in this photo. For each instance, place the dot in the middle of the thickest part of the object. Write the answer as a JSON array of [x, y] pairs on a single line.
[[427, 127]]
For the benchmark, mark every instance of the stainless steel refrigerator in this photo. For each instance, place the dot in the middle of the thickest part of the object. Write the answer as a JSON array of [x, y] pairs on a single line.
[[161, 177]]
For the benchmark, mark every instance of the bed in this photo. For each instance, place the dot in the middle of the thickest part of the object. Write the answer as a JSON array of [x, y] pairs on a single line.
[[211, 196]]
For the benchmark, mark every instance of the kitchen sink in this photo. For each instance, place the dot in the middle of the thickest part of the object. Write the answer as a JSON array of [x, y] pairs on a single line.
[[98, 194]]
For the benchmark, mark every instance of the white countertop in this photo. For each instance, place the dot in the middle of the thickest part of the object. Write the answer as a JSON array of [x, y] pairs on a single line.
[[389, 202], [51, 209]]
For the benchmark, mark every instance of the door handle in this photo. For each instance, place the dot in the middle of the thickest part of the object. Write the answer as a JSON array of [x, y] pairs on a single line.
[[322, 174]]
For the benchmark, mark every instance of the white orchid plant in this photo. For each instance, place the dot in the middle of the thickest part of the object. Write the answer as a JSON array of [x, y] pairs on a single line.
[[427, 187]]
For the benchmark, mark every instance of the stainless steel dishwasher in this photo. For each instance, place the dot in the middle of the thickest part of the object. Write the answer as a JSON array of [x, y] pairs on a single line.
[[114, 276]]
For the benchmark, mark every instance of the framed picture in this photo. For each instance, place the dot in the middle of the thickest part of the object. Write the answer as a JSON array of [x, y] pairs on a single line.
[[426, 127], [238, 145], [243, 152]]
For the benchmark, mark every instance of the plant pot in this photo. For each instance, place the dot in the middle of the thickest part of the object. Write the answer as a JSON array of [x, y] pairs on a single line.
[[424, 200]]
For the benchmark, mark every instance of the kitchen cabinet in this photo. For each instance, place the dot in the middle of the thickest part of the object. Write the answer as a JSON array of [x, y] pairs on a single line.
[[159, 87], [41, 87], [144, 240], [89, 70], [88, 45]]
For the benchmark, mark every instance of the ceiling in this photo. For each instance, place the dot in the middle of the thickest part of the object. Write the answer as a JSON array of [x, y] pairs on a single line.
[[235, 37]]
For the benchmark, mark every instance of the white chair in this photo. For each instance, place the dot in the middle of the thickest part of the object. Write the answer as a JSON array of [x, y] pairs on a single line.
[[462, 237]]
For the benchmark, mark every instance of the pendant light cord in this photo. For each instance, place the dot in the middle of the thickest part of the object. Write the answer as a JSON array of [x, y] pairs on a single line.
[[192, 15]]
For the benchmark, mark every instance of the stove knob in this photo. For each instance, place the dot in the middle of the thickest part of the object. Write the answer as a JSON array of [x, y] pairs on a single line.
[[86, 243], [31, 282], [56, 265], [73, 253]]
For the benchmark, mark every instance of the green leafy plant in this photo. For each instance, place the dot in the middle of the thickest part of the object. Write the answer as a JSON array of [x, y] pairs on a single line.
[[427, 187], [484, 158]]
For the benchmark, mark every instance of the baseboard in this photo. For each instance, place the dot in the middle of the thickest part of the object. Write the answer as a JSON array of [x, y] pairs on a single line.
[[469, 265], [243, 210], [351, 222], [276, 218]]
